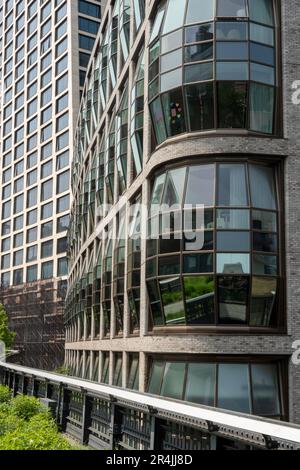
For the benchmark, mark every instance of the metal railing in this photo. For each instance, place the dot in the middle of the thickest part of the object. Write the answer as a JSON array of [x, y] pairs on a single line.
[[107, 417]]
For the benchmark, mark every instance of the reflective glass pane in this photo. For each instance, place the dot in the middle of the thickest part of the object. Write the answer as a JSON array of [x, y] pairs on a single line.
[[200, 384], [232, 51], [173, 380], [158, 121], [168, 265], [262, 101], [233, 219], [232, 105], [232, 188], [233, 293], [200, 185], [198, 263], [199, 10], [262, 300], [233, 387], [156, 377], [171, 41], [265, 389], [200, 105], [174, 21], [174, 187], [158, 189], [232, 8], [261, 11], [171, 80], [233, 263], [199, 296], [154, 299], [198, 52], [174, 112], [260, 53], [265, 264], [198, 72], [172, 299], [259, 33], [262, 73], [232, 71], [232, 31], [262, 184], [233, 241], [264, 242], [171, 60], [262, 220], [203, 32]]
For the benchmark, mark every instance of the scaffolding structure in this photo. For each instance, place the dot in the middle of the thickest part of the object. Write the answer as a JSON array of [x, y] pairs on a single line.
[[35, 312]]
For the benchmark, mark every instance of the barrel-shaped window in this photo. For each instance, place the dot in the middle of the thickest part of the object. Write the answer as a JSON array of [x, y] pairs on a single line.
[[213, 66], [213, 246]]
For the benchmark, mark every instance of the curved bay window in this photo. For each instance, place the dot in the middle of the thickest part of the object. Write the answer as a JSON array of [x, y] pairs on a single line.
[[122, 141], [217, 264], [231, 384], [134, 263], [213, 66]]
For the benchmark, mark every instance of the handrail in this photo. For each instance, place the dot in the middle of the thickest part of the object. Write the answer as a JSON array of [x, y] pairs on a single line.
[[194, 413]]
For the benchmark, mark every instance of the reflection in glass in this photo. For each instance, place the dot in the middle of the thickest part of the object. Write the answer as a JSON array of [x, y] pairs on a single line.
[[173, 380], [262, 300], [200, 384], [262, 11], [200, 185], [232, 8], [264, 264], [232, 105], [262, 187], [233, 219], [233, 241], [154, 298], [232, 189], [264, 242], [196, 12], [233, 295], [233, 263], [198, 52], [199, 299], [200, 106], [198, 263], [156, 377], [262, 100], [172, 299], [232, 31], [262, 220], [174, 187], [233, 387], [265, 388], [203, 32]]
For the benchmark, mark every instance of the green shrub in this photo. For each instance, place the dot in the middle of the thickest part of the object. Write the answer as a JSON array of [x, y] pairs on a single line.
[[38, 433], [5, 394], [25, 407]]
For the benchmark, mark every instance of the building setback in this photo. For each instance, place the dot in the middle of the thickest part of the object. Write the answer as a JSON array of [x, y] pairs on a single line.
[[44, 51], [187, 105]]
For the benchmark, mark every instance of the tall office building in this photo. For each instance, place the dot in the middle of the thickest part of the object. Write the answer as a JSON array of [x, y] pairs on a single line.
[[44, 51], [189, 103]]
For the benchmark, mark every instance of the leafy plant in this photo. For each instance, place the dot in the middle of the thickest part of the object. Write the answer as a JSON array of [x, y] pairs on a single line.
[[25, 407], [5, 394]]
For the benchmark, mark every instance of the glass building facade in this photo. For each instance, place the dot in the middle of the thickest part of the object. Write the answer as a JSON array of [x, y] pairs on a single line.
[[45, 46], [177, 242]]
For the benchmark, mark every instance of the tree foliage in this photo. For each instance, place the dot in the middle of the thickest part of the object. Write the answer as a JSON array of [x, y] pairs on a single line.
[[6, 335], [26, 424]]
